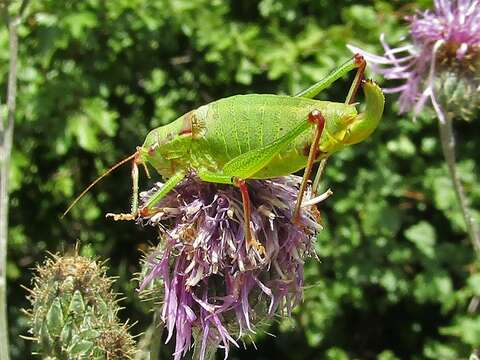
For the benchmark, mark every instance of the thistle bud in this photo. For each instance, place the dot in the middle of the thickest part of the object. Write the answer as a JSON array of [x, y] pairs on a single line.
[[459, 92], [74, 312]]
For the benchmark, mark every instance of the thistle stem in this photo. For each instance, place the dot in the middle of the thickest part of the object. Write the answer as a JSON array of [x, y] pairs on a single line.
[[150, 344], [448, 147], [210, 351]]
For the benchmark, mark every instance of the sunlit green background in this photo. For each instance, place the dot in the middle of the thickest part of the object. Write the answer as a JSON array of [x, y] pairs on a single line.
[[396, 272]]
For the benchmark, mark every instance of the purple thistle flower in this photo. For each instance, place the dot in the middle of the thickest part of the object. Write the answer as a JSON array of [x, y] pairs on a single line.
[[213, 285], [441, 63]]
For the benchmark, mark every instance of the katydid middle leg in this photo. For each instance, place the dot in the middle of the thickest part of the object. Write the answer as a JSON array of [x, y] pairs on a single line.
[[173, 181], [213, 177]]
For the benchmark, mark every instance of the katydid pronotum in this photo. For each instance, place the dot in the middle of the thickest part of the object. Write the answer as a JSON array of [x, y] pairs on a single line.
[[255, 136]]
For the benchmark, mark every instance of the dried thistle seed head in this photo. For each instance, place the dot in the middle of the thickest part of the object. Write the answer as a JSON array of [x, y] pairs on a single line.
[[115, 342], [213, 289], [74, 311]]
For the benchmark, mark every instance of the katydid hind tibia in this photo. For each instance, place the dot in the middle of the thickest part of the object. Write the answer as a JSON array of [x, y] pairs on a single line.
[[256, 136]]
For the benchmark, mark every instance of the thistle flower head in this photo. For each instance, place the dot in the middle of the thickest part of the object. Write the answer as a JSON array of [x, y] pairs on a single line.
[[442, 61], [213, 285]]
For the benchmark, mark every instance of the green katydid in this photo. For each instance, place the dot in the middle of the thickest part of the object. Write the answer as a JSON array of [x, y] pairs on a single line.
[[254, 136]]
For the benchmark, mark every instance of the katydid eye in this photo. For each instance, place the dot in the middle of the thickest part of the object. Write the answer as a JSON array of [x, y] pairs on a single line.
[[151, 150]]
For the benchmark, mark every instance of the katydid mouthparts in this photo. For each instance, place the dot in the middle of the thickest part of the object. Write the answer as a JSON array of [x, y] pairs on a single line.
[[256, 136]]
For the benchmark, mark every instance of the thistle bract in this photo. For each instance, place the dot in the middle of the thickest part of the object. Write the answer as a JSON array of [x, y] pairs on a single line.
[[442, 61], [215, 288], [74, 312]]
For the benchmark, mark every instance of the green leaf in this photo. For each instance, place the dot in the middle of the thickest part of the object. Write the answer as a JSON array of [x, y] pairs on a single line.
[[91, 122], [402, 147], [66, 334], [468, 329], [423, 236], [80, 22]]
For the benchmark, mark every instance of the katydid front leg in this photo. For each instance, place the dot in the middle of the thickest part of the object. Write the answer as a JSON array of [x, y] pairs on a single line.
[[147, 209], [134, 208]]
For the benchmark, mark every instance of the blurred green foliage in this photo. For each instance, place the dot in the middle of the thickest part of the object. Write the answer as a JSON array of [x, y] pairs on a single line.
[[396, 273]]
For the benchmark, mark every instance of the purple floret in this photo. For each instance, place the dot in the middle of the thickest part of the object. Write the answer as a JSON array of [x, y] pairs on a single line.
[[445, 37], [213, 284]]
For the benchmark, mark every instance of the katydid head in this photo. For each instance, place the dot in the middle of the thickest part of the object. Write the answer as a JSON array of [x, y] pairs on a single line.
[[166, 148]]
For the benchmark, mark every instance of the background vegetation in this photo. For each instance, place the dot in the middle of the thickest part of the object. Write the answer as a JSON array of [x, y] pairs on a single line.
[[397, 272]]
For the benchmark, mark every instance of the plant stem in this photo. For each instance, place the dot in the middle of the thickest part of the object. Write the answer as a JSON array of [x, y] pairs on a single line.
[[5, 157], [210, 349], [150, 344], [448, 147], [210, 352], [6, 139]]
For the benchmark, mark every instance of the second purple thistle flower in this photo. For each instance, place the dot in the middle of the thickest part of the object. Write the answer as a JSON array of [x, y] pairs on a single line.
[[440, 63]]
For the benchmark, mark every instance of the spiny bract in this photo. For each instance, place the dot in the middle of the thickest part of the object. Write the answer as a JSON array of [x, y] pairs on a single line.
[[74, 312]]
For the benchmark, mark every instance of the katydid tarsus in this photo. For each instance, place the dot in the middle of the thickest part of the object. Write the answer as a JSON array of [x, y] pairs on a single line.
[[257, 136]]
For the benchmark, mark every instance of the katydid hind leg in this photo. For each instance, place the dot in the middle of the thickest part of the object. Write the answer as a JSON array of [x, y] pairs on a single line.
[[354, 63], [318, 176], [352, 92], [357, 62], [317, 118], [214, 177], [248, 164], [245, 166]]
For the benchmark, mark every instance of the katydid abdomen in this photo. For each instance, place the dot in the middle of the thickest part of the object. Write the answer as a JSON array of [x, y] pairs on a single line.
[[212, 135]]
